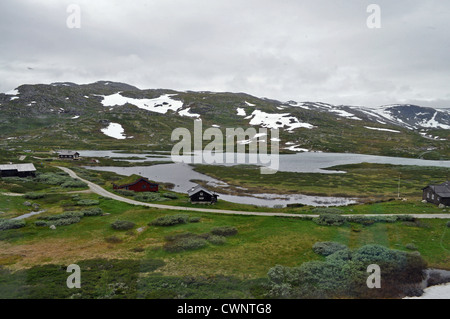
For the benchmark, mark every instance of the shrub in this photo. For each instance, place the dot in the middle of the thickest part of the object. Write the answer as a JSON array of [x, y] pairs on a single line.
[[184, 242], [406, 218], [330, 220], [63, 216], [170, 195], [343, 274], [6, 224], [224, 231], [41, 223], [124, 192], [94, 211], [170, 220], [87, 202], [34, 195], [64, 221], [122, 225], [149, 197], [217, 240], [448, 224], [327, 248], [194, 219], [74, 183]]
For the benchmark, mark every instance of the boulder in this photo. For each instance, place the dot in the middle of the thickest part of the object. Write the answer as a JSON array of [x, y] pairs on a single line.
[[53, 227]]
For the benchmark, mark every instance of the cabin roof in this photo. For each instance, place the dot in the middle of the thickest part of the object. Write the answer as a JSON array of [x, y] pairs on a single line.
[[68, 153], [137, 181], [19, 167], [198, 188], [443, 190]]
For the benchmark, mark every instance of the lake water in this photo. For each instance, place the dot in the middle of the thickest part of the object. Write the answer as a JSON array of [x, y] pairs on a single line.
[[181, 174]]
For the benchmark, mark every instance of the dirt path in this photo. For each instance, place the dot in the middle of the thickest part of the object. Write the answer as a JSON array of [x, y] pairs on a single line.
[[102, 192]]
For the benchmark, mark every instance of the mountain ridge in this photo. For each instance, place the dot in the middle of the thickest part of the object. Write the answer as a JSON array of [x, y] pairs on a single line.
[[83, 112]]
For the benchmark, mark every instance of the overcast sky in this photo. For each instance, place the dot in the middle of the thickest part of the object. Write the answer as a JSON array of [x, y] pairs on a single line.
[[314, 50]]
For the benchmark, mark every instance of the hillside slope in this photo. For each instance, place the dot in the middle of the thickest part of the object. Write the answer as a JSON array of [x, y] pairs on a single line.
[[67, 115]]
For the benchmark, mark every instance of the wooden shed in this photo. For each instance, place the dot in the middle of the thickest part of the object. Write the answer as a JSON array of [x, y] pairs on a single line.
[[20, 170], [200, 195], [73, 155], [140, 185], [437, 194]]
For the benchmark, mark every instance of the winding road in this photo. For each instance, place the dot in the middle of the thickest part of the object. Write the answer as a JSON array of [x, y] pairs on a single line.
[[102, 192]]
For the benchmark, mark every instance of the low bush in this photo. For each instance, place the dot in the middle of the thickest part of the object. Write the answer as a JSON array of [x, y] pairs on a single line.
[[150, 197], [40, 223], [94, 211], [64, 221], [6, 224], [74, 183], [170, 220], [217, 240], [183, 242], [406, 218], [194, 219], [224, 231], [343, 274], [34, 195], [330, 220], [122, 225], [327, 248], [448, 224], [124, 192], [170, 195], [69, 214], [88, 202]]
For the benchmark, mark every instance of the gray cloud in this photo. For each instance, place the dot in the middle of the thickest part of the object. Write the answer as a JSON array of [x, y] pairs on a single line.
[[291, 49]]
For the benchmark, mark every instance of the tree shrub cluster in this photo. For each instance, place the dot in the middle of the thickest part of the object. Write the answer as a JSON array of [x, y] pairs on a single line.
[[147, 196], [59, 179], [67, 218], [123, 225], [88, 202], [343, 274], [6, 224], [170, 220], [189, 241]]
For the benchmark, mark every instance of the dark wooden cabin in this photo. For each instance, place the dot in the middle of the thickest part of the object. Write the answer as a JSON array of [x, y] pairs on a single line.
[[200, 195], [437, 194], [69, 155], [140, 185], [19, 170]]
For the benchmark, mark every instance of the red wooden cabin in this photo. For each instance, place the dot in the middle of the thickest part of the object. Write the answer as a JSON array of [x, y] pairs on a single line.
[[140, 185]]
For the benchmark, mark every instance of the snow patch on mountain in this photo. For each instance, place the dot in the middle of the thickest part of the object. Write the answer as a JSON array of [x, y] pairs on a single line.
[[277, 121], [186, 112], [381, 129], [115, 130], [161, 104], [241, 112]]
